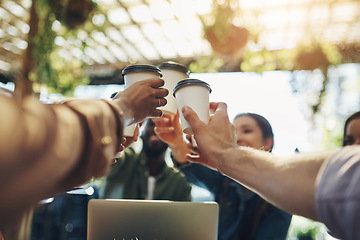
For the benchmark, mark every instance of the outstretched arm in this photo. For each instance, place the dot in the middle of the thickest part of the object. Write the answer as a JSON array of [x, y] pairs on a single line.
[[168, 129], [287, 182], [46, 149]]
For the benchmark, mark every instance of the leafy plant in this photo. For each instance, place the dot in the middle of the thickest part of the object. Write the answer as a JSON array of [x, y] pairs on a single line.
[[310, 234], [56, 73], [206, 64], [225, 37], [265, 60]]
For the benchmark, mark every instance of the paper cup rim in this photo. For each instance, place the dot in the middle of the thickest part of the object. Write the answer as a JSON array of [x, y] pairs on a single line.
[[190, 82], [174, 66], [141, 68]]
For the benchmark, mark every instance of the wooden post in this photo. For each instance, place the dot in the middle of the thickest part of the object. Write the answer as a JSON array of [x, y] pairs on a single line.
[[23, 85]]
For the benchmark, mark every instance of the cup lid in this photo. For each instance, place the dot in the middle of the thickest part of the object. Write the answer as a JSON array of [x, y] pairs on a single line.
[[141, 68], [174, 66], [190, 82]]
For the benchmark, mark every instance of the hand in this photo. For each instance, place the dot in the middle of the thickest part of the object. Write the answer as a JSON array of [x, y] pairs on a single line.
[[134, 138], [122, 145], [169, 130], [195, 155], [213, 138], [126, 141], [142, 99]]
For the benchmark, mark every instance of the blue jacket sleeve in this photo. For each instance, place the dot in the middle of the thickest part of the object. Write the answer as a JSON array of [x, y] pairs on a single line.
[[202, 176], [274, 226]]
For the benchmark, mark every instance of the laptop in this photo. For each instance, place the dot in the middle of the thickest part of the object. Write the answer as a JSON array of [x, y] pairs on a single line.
[[151, 220]]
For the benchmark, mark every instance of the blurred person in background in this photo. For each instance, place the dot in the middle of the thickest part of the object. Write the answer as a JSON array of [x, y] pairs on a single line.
[[145, 174], [243, 214], [352, 130], [323, 186]]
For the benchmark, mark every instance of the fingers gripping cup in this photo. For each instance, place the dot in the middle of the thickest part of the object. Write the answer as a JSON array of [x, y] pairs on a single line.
[[133, 74], [195, 94], [172, 73]]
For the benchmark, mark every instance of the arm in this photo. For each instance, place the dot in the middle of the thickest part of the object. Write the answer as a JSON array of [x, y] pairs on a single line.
[[287, 182], [168, 129], [203, 177], [45, 149]]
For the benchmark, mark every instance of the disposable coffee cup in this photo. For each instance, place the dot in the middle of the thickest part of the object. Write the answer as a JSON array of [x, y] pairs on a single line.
[[172, 73], [195, 94], [133, 74], [193, 141]]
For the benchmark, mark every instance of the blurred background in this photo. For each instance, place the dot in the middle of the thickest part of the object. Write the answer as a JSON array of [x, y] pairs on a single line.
[[296, 62]]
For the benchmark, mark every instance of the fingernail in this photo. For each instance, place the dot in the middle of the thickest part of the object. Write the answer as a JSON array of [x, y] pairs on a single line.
[[184, 108]]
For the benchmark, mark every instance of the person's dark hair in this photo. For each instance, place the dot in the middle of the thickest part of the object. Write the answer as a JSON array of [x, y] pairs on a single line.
[[263, 123], [348, 120]]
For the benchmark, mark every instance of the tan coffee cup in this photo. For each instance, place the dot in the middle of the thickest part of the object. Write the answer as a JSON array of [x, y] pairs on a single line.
[[172, 73], [195, 94], [135, 73]]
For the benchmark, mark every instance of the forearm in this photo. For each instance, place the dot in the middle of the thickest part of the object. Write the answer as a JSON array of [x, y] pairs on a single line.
[[29, 171], [274, 177], [43, 149]]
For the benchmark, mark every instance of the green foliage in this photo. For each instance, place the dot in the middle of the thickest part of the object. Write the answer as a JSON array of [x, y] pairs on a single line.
[[333, 137], [266, 60], [316, 55], [302, 228], [332, 53], [59, 75], [310, 234], [304, 57], [206, 64], [44, 46], [69, 76]]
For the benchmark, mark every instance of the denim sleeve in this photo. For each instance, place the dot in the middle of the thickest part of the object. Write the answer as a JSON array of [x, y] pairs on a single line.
[[202, 176], [275, 225], [337, 193]]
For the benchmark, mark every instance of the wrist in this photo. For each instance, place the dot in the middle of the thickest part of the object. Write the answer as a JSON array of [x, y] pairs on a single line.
[[178, 146], [125, 111], [177, 163], [179, 152], [225, 159]]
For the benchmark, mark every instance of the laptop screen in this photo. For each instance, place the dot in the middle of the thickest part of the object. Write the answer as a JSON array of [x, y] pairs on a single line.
[[152, 220]]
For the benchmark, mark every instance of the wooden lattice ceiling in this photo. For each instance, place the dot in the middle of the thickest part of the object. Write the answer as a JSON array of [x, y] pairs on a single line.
[[157, 30]]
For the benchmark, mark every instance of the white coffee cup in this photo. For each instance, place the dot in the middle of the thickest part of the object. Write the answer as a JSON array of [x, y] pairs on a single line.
[[133, 74], [195, 94], [172, 73]]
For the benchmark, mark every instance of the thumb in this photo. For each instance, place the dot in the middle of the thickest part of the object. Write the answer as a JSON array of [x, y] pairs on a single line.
[[192, 118]]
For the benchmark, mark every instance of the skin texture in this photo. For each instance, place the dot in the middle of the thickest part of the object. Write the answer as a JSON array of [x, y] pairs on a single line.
[[142, 99], [286, 182], [46, 149]]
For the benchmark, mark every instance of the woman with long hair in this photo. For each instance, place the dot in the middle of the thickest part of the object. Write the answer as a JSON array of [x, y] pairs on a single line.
[[243, 214]]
